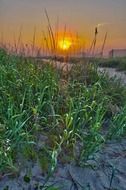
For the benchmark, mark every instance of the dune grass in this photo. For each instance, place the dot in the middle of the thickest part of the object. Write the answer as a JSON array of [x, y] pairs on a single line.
[[117, 63], [46, 117]]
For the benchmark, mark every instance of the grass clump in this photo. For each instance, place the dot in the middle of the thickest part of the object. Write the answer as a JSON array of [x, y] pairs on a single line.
[[51, 119], [118, 63]]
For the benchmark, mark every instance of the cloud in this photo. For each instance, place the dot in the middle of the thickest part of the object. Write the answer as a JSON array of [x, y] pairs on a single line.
[[102, 24]]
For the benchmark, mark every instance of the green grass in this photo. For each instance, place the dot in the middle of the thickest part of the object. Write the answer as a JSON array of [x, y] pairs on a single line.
[[118, 63], [66, 115]]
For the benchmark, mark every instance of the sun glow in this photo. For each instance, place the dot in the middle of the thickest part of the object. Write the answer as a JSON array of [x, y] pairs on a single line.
[[65, 44]]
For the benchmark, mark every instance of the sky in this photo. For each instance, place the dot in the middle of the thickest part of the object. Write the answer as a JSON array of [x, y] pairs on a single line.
[[79, 16]]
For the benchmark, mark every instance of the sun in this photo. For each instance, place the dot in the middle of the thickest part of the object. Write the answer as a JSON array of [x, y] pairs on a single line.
[[65, 44]]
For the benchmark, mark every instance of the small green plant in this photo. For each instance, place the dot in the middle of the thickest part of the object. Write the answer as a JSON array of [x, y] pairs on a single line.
[[26, 179], [6, 188], [118, 125]]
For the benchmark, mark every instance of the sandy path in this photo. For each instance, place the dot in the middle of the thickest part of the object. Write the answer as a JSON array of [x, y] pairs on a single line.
[[60, 65], [113, 73]]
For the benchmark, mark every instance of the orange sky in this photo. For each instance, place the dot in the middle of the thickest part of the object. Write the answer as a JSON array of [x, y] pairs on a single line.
[[80, 16]]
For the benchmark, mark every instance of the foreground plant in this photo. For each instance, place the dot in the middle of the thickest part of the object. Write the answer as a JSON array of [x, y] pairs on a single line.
[[44, 118]]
